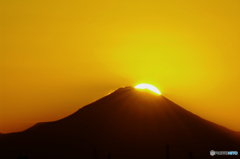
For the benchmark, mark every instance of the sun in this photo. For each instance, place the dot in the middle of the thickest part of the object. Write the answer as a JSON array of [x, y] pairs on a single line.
[[149, 87]]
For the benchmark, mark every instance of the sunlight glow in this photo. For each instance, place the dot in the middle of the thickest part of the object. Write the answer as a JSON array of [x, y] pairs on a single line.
[[149, 87]]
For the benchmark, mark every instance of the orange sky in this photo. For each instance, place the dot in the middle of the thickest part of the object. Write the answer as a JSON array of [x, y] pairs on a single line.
[[57, 56]]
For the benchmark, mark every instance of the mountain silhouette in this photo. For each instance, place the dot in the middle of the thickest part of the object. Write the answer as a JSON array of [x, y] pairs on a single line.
[[125, 124]]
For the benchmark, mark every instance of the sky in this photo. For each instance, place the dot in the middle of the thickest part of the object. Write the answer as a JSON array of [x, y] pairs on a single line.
[[59, 55]]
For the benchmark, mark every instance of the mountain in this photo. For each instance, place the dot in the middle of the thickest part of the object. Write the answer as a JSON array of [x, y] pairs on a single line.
[[128, 123]]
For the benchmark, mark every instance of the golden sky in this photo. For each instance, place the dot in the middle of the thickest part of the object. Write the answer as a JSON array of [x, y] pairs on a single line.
[[59, 55]]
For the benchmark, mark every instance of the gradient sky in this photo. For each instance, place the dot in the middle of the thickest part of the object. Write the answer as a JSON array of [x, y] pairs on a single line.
[[59, 55]]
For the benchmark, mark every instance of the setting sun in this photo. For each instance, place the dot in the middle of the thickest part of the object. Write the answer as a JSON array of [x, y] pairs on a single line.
[[149, 87]]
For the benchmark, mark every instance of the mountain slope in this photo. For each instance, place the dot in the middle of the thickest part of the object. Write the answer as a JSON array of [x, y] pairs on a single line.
[[131, 123]]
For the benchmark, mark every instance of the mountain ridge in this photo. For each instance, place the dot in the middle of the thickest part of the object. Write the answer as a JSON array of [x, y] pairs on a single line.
[[132, 118]]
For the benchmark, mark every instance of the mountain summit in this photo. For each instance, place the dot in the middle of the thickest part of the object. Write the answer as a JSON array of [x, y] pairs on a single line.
[[127, 123]]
